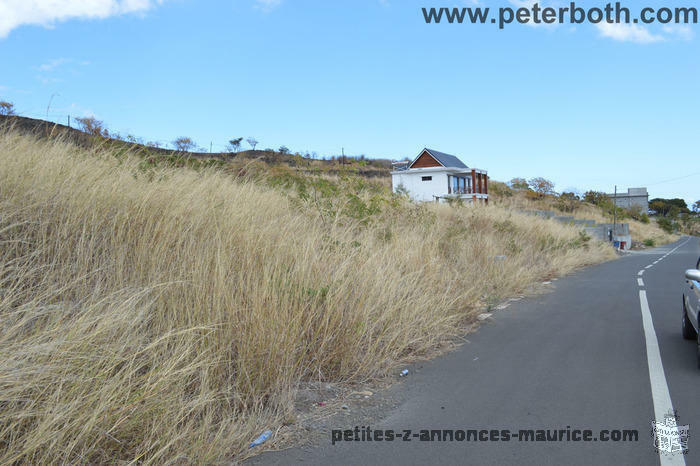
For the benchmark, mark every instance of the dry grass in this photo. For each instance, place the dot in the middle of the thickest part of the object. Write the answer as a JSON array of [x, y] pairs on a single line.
[[639, 231], [167, 315]]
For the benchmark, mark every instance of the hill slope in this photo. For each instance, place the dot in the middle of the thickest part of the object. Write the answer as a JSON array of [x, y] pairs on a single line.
[[157, 314]]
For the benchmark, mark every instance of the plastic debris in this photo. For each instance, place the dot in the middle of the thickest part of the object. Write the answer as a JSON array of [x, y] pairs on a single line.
[[365, 393], [404, 373], [345, 407], [322, 403], [262, 439]]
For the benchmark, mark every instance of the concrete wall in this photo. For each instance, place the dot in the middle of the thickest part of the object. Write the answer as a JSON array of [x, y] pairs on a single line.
[[636, 198], [604, 232], [600, 232]]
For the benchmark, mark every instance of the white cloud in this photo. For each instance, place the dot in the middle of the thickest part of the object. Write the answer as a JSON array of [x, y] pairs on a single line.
[[628, 33], [15, 13], [52, 64], [267, 5], [680, 31]]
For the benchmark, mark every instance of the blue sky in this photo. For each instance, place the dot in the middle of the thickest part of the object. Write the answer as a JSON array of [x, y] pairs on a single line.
[[584, 106]]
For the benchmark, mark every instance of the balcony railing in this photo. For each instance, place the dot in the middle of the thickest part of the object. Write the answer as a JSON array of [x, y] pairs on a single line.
[[461, 191]]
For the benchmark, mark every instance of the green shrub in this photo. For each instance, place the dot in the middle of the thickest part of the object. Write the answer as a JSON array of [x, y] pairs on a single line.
[[665, 224]]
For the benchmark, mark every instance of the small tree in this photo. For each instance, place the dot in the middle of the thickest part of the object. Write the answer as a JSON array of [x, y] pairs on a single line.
[[519, 184], [183, 144], [92, 126], [284, 150], [567, 202], [7, 108], [696, 207], [234, 145], [252, 142], [665, 224], [541, 186], [597, 198], [570, 196]]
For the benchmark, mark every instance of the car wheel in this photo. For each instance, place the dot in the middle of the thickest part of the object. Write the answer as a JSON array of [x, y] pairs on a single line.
[[689, 332]]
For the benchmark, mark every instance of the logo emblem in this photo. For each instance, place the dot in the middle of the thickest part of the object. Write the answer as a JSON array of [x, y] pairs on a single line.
[[669, 437]]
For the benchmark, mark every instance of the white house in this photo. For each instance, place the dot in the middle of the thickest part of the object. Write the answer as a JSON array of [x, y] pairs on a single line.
[[435, 176]]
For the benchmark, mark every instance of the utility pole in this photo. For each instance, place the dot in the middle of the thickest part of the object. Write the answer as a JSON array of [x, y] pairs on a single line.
[[210, 143], [69, 121], [614, 214]]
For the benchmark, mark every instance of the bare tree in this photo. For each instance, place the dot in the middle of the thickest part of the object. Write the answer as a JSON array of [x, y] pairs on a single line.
[[541, 186], [92, 126], [253, 142], [7, 108], [184, 144], [234, 145]]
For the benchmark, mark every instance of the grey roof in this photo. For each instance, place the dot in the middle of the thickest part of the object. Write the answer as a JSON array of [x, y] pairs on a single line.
[[447, 160]]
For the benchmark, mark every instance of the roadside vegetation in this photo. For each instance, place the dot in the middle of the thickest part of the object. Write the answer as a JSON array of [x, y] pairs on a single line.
[[158, 311], [539, 194]]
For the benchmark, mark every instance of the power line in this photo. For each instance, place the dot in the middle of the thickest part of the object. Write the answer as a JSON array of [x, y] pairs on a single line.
[[674, 179]]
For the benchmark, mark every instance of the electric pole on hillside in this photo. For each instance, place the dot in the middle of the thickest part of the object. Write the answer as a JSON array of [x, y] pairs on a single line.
[[614, 214]]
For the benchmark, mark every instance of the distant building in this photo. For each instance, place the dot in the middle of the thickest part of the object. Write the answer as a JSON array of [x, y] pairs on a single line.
[[436, 176], [635, 198]]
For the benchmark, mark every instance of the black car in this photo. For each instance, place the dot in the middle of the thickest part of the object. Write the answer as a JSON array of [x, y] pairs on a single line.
[[691, 306]]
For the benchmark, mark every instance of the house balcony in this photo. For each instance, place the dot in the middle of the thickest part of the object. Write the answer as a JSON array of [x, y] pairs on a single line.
[[456, 191], [467, 193]]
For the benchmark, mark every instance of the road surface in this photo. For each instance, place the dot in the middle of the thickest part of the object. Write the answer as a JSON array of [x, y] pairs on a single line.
[[602, 352]]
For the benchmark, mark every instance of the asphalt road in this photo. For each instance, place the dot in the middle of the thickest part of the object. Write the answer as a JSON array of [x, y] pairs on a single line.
[[581, 356]]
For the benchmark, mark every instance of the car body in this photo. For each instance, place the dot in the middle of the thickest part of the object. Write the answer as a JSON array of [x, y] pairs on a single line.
[[691, 307]]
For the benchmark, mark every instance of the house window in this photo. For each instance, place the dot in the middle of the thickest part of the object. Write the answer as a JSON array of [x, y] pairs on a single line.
[[427, 178]]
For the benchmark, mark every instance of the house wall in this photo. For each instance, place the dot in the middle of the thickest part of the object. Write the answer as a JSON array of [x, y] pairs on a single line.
[[635, 198], [418, 189]]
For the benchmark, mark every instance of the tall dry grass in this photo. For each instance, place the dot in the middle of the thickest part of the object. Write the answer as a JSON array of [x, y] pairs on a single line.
[[163, 315], [640, 231]]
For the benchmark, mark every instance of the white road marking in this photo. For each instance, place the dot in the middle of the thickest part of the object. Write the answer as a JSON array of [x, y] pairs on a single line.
[[641, 272], [648, 266], [640, 282], [659, 387]]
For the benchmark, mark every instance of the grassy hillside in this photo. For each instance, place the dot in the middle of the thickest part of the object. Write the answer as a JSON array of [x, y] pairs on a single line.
[[155, 314], [369, 168], [642, 232]]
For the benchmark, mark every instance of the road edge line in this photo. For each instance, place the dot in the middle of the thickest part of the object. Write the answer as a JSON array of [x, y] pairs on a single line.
[[660, 394]]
